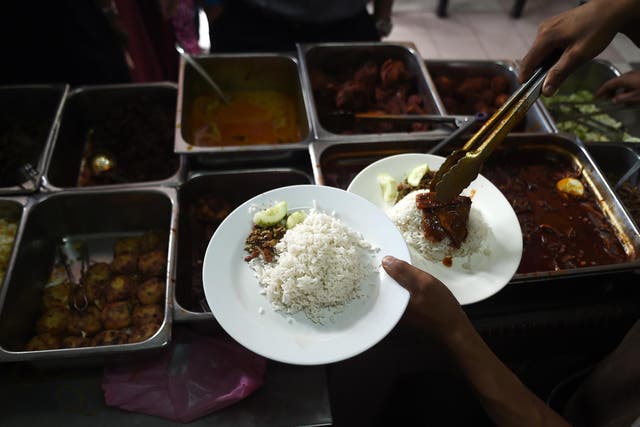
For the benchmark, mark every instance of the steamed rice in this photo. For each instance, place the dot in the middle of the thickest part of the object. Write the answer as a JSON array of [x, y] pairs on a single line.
[[320, 263], [407, 218]]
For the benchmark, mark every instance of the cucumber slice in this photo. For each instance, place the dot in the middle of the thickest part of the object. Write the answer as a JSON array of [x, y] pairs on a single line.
[[416, 174], [295, 218], [271, 216], [389, 187]]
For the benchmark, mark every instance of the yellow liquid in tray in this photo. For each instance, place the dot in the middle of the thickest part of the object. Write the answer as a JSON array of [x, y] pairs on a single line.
[[251, 117]]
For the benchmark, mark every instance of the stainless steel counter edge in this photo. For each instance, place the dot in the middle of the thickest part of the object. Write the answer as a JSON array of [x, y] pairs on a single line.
[[321, 134], [183, 147], [181, 314], [29, 187], [162, 336], [172, 181]]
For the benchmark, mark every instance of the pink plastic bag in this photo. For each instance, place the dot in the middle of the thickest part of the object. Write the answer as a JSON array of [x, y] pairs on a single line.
[[188, 381]]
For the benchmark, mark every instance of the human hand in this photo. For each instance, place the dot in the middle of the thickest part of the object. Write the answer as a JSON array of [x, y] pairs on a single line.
[[432, 307], [629, 83], [580, 33]]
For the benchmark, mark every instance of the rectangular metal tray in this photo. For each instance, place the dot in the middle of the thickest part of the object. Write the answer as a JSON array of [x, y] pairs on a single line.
[[233, 186], [337, 164], [535, 120], [355, 53], [102, 214], [42, 104], [86, 106], [590, 77], [257, 71]]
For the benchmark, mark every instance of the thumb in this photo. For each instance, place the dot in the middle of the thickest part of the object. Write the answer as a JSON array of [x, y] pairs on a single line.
[[408, 276]]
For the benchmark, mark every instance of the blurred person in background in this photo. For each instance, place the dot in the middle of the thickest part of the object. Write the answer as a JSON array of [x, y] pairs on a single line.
[[277, 25]]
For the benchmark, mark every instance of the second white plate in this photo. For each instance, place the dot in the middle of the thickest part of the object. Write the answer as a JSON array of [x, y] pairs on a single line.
[[487, 274]]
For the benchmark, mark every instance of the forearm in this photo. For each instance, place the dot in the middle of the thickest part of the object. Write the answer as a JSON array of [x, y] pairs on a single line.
[[632, 16], [505, 399], [382, 8]]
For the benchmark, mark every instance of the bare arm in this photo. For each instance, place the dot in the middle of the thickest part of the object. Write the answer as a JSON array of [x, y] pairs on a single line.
[[581, 34], [434, 310], [382, 16]]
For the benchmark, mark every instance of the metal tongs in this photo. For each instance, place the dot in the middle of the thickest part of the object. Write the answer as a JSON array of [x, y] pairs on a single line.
[[463, 165]]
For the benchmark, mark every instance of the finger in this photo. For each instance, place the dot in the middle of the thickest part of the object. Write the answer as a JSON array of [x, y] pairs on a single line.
[[405, 274], [568, 62], [609, 86], [627, 97], [541, 48]]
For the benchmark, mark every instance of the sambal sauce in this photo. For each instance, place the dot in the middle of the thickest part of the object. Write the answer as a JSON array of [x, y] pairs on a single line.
[[560, 230]]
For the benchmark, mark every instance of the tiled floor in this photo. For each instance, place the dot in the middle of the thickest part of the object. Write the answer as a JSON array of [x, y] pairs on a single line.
[[483, 29]]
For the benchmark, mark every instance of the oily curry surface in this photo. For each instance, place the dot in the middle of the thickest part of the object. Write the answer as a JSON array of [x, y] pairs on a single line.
[[251, 117]]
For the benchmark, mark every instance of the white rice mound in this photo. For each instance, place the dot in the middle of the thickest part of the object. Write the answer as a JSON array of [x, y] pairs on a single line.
[[319, 264], [407, 218]]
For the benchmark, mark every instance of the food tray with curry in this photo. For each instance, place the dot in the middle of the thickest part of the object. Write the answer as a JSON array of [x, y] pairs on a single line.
[[345, 79], [467, 87], [267, 107], [566, 233], [93, 276]]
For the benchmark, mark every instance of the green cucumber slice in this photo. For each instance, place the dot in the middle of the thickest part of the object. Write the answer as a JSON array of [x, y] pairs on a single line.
[[271, 216], [389, 187], [295, 218], [416, 174]]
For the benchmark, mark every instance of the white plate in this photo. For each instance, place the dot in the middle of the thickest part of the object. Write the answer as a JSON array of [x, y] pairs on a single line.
[[232, 289], [487, 273]]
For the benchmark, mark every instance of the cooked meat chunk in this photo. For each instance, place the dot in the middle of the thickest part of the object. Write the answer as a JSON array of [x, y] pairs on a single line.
[[53, 321], [44, 341], [117, 315], [86, 323], [392, 72], [352, 96], [444, 219], [153, 264]]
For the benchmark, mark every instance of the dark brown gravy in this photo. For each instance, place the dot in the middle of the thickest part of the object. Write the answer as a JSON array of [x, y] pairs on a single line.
[[559, 231]]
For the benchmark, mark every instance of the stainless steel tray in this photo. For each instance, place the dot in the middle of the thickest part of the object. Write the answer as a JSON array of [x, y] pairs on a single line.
[[535, 120], [235, 187], [312, 55], [337, 164], [87, 106], [242, 71], [590, 77], [100, 213], [42, 104]]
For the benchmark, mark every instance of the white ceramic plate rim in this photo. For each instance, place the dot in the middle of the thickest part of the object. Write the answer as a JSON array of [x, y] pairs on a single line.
[[488, 276], [232, 291]]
